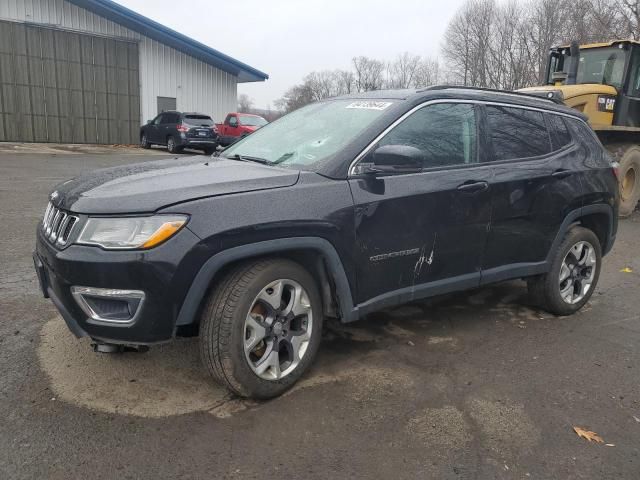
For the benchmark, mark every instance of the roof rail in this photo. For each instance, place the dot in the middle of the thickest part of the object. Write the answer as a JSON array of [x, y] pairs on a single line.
[[484, 89]]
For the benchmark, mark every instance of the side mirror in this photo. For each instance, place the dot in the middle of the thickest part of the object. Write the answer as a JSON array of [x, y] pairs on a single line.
[[396, 159], [149, 122]]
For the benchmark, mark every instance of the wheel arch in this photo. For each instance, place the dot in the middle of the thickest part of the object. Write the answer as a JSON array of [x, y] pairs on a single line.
[[314, 253], [598, 218]]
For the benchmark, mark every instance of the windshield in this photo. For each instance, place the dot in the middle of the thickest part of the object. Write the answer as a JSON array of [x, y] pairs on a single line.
[[311, 134], [596, 65], [251, 121], [198, 120]]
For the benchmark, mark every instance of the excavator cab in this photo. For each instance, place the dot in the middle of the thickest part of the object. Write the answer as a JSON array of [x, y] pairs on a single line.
[[613, 64]]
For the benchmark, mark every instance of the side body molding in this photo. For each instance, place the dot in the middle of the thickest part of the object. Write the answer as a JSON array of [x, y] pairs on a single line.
[[350, 312], [203, 279]]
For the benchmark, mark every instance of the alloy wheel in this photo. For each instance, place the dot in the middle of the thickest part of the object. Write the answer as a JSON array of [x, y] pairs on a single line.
[[577, 272], [277, 330]]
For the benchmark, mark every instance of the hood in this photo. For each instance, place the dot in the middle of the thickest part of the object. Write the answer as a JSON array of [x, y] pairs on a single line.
[[149, 186]]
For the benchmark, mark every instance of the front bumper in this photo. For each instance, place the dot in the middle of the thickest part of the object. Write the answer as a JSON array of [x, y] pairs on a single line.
[[154, 272]]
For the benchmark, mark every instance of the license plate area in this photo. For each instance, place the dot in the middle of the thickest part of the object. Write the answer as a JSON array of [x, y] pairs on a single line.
[[43, 277]]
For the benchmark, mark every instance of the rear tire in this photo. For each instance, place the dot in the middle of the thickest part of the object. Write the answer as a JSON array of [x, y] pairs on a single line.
[[245, 344], [209, 151], [629, 181], [571, 280], [172, 147], [628, 156]]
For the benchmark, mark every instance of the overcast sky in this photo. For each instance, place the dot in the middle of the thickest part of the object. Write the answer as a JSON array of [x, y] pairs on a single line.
[[289, 38]]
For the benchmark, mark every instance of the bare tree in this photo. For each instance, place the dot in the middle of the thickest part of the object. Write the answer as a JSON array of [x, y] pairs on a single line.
[[630, 15], [245, 103], [427, 73], [369, 74], [346, 81], [402, 71], [294, 98]]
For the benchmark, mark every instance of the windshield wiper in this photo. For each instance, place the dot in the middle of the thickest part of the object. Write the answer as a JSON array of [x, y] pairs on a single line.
[[283, 158], [246, 158]]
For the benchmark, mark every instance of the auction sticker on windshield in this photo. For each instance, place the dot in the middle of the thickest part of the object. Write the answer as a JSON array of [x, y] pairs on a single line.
[[369, 105]]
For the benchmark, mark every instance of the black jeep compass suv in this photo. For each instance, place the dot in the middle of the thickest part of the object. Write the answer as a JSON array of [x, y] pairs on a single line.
[[338, 209]]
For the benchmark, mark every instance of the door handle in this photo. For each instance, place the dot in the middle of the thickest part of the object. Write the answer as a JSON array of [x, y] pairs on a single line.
[[561, 173], [473, 187]]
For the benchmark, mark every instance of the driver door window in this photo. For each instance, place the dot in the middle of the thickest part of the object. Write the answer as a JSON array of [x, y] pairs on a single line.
[[233, 121], [444, 132]]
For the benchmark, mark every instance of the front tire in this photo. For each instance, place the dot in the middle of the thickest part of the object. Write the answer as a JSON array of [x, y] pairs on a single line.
[[261, 327], [574, 274], [144, 142]]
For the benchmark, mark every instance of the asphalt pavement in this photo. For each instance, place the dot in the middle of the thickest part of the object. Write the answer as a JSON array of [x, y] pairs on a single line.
[[476, 385]]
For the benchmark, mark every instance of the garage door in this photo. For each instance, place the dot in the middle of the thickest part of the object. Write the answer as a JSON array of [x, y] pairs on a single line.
[[64, 87]]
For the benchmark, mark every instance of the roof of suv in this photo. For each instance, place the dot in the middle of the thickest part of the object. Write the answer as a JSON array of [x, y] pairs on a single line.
[[470, 93], [186, 113]]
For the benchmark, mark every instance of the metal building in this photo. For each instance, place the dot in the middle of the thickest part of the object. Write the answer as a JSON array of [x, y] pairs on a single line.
[[92, 71]]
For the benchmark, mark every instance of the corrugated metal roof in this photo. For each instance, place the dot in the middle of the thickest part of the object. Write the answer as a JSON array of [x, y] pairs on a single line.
[[139, 23]]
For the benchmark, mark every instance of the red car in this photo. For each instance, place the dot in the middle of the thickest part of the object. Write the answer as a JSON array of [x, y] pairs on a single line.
[[238, 125]]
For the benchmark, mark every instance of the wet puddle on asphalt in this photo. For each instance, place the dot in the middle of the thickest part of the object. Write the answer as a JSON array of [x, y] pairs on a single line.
[[170, 380]]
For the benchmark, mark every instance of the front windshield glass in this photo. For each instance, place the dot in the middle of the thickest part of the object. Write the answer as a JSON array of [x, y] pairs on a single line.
[[251, 121], [597, 65], [311, 134]]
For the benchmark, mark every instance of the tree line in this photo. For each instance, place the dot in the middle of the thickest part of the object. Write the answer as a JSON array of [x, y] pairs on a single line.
[[406, 71], [488, 43]]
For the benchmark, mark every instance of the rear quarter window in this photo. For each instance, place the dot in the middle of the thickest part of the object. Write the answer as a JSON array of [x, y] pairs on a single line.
[[560, 136], [586, 139], [517, 133]]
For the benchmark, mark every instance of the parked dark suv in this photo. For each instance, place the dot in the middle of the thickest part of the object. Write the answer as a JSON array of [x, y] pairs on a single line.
[[179, 130], [338, 209]]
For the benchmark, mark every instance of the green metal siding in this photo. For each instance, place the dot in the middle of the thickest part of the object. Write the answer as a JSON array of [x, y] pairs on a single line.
[[65, 87]]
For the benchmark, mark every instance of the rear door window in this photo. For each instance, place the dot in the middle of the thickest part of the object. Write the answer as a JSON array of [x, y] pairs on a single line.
[[517, 133], [445, 132], [172, 118]]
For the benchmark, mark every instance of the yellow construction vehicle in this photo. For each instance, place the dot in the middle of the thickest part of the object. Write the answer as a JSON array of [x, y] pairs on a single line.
[[602, 80]]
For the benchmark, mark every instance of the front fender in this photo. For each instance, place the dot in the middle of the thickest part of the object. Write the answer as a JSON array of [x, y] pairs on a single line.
[[207, 272]]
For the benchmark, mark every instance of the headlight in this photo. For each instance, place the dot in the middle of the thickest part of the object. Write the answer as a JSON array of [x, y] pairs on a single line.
[[130, 232]]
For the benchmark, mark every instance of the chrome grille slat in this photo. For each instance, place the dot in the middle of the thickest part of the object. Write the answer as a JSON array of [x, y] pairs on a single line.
[[46, 214], [54, 225], [58, 225]]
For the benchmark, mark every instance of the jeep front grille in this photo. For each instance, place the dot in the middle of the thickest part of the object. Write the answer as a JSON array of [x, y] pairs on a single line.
[[57, 225]]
